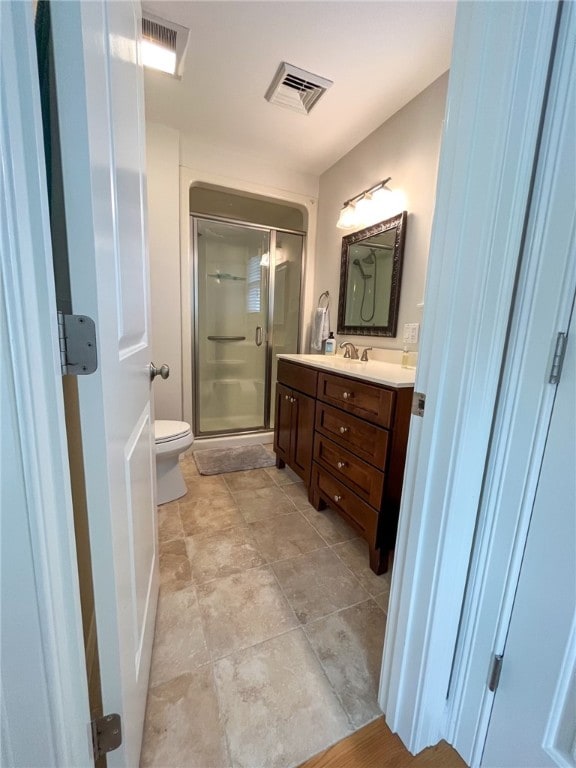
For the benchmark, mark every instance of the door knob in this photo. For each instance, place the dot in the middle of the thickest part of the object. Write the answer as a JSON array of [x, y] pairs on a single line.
[[163, 371]]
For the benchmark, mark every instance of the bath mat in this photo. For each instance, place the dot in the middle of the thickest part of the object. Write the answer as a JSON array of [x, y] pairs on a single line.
[[215, 461]]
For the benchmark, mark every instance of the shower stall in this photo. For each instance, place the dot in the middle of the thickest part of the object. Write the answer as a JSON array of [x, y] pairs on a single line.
[[246, 287]]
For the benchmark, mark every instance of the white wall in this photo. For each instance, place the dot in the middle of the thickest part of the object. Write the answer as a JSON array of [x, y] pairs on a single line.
[[406, 147], [163, 156], [250, 169]]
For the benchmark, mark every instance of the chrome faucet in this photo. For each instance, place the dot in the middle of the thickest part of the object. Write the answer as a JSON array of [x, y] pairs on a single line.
[[364, 358], [351, 353]]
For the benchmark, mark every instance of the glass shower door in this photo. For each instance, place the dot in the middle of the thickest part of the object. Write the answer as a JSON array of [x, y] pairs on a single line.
[[231, 290]]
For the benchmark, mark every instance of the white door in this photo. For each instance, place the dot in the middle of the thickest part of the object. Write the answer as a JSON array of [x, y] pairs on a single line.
[[533, 717], [101, 116]]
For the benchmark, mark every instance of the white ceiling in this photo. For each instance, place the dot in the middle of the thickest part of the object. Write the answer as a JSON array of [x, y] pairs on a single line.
[[379, 55]]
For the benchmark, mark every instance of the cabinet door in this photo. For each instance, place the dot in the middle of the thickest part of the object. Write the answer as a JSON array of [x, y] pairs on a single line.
[[303, 408], [282, 422]]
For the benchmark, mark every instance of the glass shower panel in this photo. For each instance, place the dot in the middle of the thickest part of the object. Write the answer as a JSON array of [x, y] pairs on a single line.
[[286, 307], [232, 306]]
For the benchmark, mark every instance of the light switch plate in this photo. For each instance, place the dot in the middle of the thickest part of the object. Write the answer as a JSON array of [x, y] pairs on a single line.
[[411, 333]]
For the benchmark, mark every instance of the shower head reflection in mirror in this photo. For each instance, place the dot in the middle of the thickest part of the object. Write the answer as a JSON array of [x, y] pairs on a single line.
[[370, 279]]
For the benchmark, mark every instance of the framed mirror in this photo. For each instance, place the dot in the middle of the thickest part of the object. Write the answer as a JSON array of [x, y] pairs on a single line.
[[370, 277]]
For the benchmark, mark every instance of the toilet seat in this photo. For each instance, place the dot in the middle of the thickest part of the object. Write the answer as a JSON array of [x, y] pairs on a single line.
[[165, 431]]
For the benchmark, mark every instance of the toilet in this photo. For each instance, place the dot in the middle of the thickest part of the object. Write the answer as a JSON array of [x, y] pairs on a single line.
[[172, 438]]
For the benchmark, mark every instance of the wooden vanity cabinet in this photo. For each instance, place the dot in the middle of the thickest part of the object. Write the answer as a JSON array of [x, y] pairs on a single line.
[[361, 434], [294, 420], [347, 439]]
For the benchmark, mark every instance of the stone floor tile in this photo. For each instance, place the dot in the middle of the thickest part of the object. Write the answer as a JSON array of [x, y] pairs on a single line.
[[188, 466], [179, 644], [222, 553], [329, 524], [277, 706], [174, 566], [349, 646], [383, 599], [182, 727], [263, 503], [355, 554], [201, 487], [169, 522], [279, 538], [284, 476], [247, 480], [297, 493], [243, 609], [203, 515], [318, 584]]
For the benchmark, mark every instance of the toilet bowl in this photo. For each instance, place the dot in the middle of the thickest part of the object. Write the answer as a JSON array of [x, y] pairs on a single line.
[[172, 438]]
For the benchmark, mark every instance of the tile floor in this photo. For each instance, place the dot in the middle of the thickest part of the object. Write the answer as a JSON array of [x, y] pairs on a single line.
[[270, 626]]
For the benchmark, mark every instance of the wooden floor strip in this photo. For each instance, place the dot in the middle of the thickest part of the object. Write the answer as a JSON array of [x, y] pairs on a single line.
[[375, 746]]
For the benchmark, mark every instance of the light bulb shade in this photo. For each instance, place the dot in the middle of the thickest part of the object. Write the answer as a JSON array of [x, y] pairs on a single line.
[[347, 218], [365, 211]]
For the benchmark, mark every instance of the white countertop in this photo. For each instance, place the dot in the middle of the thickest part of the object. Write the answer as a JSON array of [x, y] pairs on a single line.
[[390, 374]]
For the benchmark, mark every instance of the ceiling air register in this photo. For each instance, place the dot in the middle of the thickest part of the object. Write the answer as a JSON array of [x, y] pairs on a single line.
[[296, 89], [163, 44]]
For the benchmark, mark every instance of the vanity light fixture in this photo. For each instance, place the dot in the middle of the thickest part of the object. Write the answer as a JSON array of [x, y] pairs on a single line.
[[368, 207]]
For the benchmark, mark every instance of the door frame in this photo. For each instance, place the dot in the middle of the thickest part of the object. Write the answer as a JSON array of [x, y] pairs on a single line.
[[543, 308], [485, 181], [62, 718]]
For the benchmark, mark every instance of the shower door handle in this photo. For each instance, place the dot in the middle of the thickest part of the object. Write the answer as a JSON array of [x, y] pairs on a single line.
[[259, 337]]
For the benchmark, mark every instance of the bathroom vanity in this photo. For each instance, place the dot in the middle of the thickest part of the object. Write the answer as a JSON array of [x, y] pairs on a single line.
[[342, 426]]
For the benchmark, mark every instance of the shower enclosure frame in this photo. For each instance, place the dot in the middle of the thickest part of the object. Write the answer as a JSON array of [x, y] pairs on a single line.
[[269, 284]]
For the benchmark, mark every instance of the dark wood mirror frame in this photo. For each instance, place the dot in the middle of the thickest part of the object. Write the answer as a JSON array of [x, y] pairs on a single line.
[[368, 238]]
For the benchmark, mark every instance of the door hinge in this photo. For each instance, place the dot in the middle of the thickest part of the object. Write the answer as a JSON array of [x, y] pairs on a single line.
[[418, 403], [494, 671], [77, 340], [558, 359], [106, 734]]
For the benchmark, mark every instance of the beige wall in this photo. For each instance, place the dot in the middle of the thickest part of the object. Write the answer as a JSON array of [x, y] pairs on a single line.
[[406, 147], [163, 156]]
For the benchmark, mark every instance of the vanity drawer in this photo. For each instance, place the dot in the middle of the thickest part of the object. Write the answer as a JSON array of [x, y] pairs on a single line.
[[370, 402], [366, 440], [298, 377], [366, 481], [337, 495]]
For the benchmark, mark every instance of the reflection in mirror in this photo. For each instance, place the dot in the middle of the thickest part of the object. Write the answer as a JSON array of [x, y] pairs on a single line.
[[370, 275]]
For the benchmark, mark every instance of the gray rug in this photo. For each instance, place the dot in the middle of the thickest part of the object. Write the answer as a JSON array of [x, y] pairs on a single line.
[[215, 461]]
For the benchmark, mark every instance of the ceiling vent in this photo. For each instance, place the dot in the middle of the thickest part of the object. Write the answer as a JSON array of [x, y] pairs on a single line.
[[164, 44], [296, 89]]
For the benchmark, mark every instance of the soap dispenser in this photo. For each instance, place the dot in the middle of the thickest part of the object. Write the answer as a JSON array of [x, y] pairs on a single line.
[[330, 344]]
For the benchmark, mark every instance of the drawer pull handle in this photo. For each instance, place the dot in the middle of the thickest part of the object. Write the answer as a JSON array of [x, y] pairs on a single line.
[[343, 430], [340, 464], [347, 395], [337, 498]]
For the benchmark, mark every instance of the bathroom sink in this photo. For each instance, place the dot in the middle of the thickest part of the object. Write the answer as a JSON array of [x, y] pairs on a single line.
[[390, 374]]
